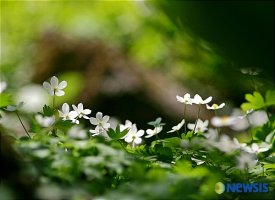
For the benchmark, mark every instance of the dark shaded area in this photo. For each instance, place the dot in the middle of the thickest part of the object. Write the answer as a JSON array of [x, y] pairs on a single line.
[[242, 31], [14, 170]]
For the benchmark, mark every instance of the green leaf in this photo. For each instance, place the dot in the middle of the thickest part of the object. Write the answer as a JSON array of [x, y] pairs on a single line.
[[270, 98], [117, 134], [5, 100], [188, 135], [172, 142], [255, 102], [64, 125], [48, 111]]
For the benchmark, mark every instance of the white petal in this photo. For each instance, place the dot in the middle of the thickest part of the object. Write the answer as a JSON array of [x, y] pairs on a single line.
[[173, 130], [222, 105], [129, 139], [207, 100], [99, 115], [65, 108], [94, 121], [106, 125], [180, 99], [59, 93], [140, 133], [54, 81], [197, 99], [148, 136], [106, 118], [80, 107], [137, 140], [75, 108], [62, 85], [191, 126], [47, 86], [86, 111]]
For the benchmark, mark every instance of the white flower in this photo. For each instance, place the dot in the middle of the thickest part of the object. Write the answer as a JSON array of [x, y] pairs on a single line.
[[186, 99], [45, 121], [200, 127], [255, 148], [177, 127], [134, 136], [128, 125], [212, 134], [258, 118], [246, 160], [215, 106], [77, 132], [152, 132], [66, 114], [197, 161], [198, 100], [82, 112], [54, 87], [223, 121], [100, 121], [97, 131], [239, 145], [225, 144], [3, 86], [14, 108]]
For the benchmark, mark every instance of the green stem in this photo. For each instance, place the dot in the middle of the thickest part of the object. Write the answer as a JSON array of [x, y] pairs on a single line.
[[122, 145], [184, 112], [197, 118], [22, 124], [178, 134]]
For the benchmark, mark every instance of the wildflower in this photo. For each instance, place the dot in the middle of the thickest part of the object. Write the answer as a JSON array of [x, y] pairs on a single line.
[[66, 114], [134, 136], [197, 161], [156, 123], [15, 108], [82, 112], [250, 71], [152, 132], [177, 127], [246, 160], [223, 121], [200, 126], [3, 86], [258, 118], [186, 99], [198, 100], [54, 87], [45, 121], [77, 132], [255, 148], [212, 134], [128, 124], [97, 131], [101, 123], [239, 145], [225, 144], [215, 106]]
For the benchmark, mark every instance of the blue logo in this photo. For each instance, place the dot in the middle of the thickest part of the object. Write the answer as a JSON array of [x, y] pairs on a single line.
[[241, 187]]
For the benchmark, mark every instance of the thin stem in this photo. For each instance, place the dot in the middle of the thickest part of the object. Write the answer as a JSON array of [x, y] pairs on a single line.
[[184, 112], [22, 124], [215, 114], [248, 129], [253, 83], [122, 145], [54, 129], [197, 118], [178, 134]]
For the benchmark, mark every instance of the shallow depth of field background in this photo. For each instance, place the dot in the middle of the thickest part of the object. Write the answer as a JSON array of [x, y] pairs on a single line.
[[129, 59]]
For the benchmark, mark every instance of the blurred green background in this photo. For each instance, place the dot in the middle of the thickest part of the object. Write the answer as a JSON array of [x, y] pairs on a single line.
[[203, 45]]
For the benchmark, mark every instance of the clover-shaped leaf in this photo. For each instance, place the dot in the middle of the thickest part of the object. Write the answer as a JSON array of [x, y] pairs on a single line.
[[255, 102]]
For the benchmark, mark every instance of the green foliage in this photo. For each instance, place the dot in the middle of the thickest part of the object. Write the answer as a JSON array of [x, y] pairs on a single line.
[[117, 134], [256, 101], [5, 100]]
